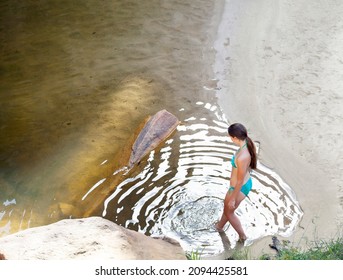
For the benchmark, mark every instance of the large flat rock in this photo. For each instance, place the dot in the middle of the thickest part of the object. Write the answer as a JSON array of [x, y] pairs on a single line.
[[87, 238]]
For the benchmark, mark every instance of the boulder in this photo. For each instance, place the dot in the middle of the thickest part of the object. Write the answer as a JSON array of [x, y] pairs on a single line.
[[87, 238]]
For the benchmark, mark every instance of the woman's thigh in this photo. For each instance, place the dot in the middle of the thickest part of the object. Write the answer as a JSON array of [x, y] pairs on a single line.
[[239, 199]]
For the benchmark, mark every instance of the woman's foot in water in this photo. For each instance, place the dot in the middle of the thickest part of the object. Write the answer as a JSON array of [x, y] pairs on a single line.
[[218, 228], [242, 239], [245, 241]]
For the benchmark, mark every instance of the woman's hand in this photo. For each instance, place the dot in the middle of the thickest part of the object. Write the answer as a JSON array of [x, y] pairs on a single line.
[[232, 203]]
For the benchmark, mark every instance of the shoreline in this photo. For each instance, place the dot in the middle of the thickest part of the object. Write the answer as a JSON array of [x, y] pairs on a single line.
[[265, 85]]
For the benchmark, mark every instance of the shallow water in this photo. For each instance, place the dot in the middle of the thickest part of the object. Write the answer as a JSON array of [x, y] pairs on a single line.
[[180, 189], [78, 79]]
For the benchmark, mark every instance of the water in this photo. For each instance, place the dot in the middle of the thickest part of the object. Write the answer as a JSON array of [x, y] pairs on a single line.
[[78, 79], [180, 187]]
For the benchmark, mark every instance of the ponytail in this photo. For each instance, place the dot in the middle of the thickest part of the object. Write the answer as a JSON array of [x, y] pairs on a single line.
[[252, 152]]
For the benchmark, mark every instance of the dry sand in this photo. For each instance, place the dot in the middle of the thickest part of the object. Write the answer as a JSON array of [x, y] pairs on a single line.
[[282, 78]]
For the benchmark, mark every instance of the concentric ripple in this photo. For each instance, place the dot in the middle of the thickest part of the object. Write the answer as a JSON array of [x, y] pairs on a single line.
[[179, 192]]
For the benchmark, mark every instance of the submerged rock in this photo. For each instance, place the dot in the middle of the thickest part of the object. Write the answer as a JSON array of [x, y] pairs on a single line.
[[87, 238], [157, 129]]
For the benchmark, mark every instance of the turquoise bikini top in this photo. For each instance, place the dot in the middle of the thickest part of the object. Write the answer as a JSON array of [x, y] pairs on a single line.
[[233, 162]]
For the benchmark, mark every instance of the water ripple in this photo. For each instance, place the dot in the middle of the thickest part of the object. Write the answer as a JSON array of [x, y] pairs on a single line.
[[179, 191]]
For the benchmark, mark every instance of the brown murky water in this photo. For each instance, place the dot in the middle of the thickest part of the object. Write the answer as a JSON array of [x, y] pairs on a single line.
[[77, 79]]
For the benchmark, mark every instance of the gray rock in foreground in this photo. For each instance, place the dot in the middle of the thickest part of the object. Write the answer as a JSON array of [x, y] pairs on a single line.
[[87, 238]]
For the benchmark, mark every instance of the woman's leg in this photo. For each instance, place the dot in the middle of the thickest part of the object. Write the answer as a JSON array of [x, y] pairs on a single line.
[[234, 220], [230, 216], [223, 220]]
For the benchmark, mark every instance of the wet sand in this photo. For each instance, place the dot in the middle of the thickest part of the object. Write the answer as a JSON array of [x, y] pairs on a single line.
[[282, 78]]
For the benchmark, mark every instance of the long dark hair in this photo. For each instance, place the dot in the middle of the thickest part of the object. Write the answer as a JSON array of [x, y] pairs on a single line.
[[239, 131]]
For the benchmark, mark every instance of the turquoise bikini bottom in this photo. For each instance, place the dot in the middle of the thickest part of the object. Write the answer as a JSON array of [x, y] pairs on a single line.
[[246, 188]]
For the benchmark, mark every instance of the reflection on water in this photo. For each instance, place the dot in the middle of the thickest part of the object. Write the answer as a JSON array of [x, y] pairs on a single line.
[[180, 189]]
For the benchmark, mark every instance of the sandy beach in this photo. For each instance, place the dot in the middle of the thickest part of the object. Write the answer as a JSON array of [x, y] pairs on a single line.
[[282, 77]]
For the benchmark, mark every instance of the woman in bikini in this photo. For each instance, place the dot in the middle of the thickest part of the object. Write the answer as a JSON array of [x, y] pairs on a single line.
[[242, 162]]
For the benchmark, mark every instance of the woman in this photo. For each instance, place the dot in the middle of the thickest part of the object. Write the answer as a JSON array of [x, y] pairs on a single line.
[[242, 162]]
